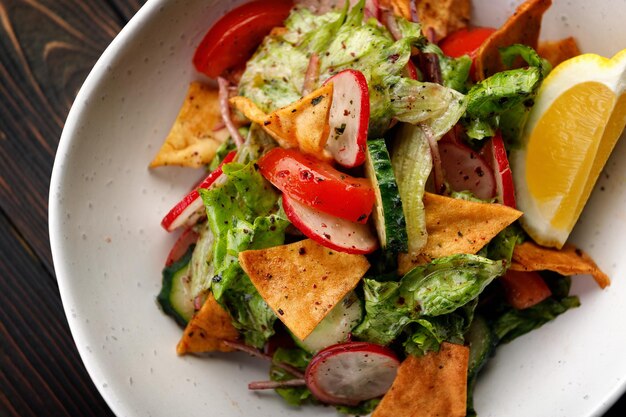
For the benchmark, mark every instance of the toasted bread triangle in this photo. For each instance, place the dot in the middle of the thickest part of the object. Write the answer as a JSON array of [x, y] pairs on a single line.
[[207, 330], [457, 226], [302, 281]]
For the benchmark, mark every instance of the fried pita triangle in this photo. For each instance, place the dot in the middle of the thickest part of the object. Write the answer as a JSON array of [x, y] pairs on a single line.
[[567, 261], [207, 330], [193, 140], [428, 386], [457, 226], [522, 27], [303, 124], [302, 281]]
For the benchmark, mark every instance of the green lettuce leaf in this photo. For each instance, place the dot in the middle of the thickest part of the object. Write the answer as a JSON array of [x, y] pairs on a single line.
[[428, 333], [429, 104], [299, 359], [507, 95], [513, 323], [454, 71], [342, 40], [434, 289], [363, 409], [242, 214], [412, 162], [502, 245]]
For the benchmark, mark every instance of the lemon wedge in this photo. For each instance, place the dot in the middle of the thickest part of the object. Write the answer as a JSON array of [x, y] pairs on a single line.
[[578, 116]]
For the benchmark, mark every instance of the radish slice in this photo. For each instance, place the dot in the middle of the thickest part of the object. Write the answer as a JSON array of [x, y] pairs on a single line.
[[467, 170], [349, 118], [496, 154], [190, 209], [349, 373], [186, 239], [330, 231]]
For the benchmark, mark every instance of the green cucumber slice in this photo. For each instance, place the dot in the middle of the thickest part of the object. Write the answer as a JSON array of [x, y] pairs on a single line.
[[175, 297], [336, 326], [388, 214]]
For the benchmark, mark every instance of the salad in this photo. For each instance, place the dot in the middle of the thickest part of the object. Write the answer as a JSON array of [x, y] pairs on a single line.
[[377, 219]]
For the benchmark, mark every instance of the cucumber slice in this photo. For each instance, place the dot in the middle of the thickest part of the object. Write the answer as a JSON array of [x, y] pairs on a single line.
[[482, 342], [175, 297], [336, 326], [388, 214]]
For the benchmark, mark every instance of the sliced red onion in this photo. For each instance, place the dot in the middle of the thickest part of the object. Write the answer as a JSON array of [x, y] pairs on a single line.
[[258, 385], [436, 156], [389, 20], [312, 74], [225, 110], [258, 354]]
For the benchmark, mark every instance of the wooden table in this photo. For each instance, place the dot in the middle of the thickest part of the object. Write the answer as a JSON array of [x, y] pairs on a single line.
[[47, 48]]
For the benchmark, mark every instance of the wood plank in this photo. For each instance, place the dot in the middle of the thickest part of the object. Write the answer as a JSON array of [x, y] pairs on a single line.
[[40, 370], [126, 8], [47, 48]]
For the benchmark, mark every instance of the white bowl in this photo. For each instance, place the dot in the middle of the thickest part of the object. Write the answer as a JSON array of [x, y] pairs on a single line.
[[108, 246]]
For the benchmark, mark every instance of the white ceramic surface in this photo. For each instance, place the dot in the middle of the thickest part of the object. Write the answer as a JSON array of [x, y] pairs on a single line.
[[108, 246]]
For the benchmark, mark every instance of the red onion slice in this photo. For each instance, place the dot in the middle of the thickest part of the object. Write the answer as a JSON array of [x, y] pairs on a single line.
[[225, 110]]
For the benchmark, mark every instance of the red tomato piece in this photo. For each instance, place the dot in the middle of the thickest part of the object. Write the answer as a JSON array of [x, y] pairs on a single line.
[[524, 289], [232, 39], [318, 185], [465, 41]]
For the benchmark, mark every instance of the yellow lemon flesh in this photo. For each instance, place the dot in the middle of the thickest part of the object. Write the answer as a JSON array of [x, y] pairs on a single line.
[[578, 116]]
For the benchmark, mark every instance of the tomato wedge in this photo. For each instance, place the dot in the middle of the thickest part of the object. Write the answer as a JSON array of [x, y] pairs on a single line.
[[231, 40], [318, 185], [465, 41], [524, 289]]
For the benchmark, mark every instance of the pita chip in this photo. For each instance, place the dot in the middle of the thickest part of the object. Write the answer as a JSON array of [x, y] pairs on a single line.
[[567, 261], [438, 18], [433, 385], [303, 124], [457, 226], [193, 141], [207, 330], [302, 281], [522, 27], [558, 51]]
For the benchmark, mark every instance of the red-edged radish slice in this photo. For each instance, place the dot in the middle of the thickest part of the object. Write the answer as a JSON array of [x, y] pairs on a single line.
[[186, 239], [330, 231], [190, 209], [495, 151], [349, 118], [349, 373], [465, 169]]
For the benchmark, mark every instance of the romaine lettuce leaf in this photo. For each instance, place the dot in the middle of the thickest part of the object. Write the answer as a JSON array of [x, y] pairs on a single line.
[[242, 214], [434, 289], [275, 75], [454, 71], [507, 94], [299, 359], [412, 162], [428, 333], [510, 323]]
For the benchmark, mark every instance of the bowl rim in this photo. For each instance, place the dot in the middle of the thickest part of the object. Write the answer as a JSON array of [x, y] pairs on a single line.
[[92, 82]]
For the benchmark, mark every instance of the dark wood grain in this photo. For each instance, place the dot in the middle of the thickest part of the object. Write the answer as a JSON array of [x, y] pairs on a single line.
[[47, 47]]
